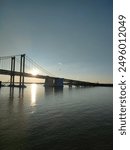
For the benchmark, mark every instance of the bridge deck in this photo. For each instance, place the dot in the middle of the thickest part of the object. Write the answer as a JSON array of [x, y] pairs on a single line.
[[66, 81]]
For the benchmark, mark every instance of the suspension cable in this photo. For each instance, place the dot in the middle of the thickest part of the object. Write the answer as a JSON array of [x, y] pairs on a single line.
[[39, 67]]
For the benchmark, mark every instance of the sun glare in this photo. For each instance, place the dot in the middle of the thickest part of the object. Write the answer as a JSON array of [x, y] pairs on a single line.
[[34, 72], [33, 94]]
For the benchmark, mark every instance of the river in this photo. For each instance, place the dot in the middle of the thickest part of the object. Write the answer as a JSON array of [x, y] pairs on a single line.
[[39, 118]]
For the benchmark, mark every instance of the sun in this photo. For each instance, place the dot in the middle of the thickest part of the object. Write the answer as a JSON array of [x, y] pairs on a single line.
[[34, 72]]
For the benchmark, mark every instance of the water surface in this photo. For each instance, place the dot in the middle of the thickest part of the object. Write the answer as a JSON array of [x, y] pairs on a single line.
[[56, 119]]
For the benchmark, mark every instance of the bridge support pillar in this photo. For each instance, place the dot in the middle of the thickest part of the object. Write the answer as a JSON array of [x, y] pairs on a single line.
[[58, 82], [12, 77], [22, 70], [53, 82], [49, 82], [70, 84]]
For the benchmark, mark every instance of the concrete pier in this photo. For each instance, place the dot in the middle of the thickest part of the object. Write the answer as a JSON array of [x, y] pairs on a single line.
[[49, 82], [58, 82], [54, 82]]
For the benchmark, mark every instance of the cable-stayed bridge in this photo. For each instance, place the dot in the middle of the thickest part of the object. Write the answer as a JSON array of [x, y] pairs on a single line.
[[23, 66]]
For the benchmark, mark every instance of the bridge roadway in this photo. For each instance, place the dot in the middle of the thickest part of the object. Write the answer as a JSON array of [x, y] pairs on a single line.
[[69, 82]]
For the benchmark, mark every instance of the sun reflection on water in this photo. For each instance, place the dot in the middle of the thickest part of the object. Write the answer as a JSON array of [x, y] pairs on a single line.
[[33, 94]]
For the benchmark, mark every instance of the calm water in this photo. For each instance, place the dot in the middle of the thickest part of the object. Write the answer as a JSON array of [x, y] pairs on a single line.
[[52, 119]]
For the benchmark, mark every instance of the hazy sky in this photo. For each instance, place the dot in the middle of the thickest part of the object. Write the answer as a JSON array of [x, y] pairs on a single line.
[[71, 38]]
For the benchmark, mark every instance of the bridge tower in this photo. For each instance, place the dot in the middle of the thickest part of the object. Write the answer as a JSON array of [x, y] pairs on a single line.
[[22, 70], [12, 76]]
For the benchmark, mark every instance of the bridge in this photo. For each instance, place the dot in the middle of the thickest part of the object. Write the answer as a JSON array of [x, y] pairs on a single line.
[[21, 66]]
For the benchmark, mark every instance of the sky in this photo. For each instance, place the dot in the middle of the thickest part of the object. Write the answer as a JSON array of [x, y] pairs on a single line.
[[69, 38]]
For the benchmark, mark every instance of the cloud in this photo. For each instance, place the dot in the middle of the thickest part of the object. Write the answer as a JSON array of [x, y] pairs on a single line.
[[59, 63]]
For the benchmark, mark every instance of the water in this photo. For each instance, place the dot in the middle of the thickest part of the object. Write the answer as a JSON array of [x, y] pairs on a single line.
[[56, 119]]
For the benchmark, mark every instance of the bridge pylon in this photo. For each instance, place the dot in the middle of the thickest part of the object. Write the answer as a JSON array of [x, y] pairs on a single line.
[[12, 76], [22, 70]]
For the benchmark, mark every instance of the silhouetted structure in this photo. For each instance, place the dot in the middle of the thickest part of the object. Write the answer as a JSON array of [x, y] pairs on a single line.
[[50, 81], [0, 83]]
